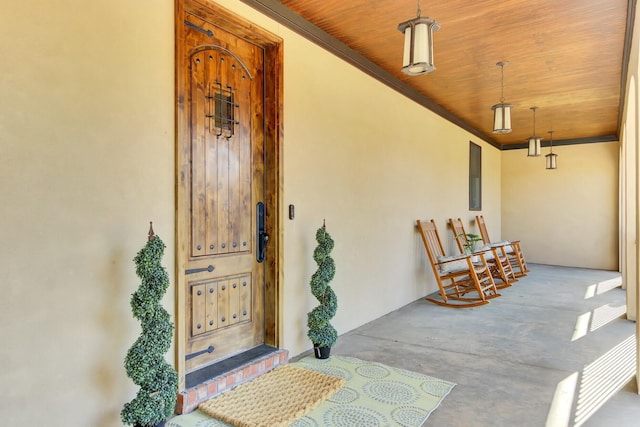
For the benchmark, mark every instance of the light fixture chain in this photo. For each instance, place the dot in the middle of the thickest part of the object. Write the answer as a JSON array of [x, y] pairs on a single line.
[[419, 10], [502, 84]]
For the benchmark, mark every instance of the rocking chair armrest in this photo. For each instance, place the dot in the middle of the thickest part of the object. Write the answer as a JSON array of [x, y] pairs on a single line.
[[482, 251], [505, 243], [452, 258], [505, 246], [483, 255], [499, 244]]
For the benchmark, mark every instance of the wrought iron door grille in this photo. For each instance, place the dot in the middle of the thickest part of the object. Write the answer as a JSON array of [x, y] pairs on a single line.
[[222, 108]]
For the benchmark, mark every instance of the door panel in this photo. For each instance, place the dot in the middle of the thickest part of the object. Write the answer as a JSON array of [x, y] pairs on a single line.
[[224, 285], [199, 309], [211, 307]]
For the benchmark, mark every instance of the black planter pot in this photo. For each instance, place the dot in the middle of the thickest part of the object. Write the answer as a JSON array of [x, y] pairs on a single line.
[[160, 424], [321, 352]]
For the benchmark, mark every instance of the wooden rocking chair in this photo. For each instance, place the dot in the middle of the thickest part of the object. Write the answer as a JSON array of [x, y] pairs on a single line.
[[463, 279], [512, 249], [497, 257]]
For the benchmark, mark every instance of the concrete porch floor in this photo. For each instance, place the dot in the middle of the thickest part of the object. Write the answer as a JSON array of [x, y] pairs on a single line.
[[555, 350]]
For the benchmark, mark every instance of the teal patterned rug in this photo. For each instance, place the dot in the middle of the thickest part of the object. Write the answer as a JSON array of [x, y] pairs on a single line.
[[374, 395]]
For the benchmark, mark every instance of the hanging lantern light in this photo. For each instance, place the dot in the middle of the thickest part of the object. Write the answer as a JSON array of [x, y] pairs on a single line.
[[502, 111], [552, 159], [534, 141], [418, 44]]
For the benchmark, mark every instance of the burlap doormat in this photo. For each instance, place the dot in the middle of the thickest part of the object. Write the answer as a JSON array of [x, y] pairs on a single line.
[[274, 399]]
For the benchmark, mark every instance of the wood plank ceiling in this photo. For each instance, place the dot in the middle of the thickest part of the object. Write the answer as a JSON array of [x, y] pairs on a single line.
[[565, 56]]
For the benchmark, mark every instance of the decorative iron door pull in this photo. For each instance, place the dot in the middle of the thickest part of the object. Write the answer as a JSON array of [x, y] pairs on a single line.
[[195, 27], [210, 268], [198, 353]]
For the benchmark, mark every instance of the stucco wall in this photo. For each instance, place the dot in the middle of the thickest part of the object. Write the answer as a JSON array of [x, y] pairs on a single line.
[[87, 132], [567, 216]]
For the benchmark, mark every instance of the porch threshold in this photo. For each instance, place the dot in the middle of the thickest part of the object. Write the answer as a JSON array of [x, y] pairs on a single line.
[[208, 372]]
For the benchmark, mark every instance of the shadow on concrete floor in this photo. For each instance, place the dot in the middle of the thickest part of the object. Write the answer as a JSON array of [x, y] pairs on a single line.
[[554, 350]]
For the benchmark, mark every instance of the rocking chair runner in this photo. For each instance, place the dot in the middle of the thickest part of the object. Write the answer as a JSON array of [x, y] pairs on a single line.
[[496, 258], [512, 249], [460, 279]]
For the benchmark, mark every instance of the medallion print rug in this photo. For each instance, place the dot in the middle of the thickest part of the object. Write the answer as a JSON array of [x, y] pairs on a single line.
[[374, 395]]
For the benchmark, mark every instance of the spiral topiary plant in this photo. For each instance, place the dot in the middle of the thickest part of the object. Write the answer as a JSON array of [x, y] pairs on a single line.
[[145, 363], [321, 333]]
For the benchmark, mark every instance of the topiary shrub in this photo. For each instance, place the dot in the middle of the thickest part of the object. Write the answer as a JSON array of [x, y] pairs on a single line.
[[145, 363], [321, 332]]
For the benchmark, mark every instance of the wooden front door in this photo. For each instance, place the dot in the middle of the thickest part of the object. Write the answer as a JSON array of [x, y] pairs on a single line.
[[222, 184]]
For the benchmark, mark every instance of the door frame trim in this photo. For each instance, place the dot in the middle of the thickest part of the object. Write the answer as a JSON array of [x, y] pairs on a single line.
[[273, 137]]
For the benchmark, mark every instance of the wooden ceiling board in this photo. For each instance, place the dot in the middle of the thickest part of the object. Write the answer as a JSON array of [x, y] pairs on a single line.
[[565, 57]]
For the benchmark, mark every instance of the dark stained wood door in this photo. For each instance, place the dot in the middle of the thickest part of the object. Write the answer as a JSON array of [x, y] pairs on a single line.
[[224, 294]]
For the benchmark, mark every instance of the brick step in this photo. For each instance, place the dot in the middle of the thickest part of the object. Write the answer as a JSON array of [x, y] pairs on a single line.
[[189, 399]]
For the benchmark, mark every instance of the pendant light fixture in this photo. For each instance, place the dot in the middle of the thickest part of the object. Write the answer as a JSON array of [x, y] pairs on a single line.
[[534, 141], [502, 111], [552, 159], [418, 44]]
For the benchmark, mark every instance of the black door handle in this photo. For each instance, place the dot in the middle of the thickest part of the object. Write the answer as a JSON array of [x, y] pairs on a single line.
[[262, 247], [262, 236]]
